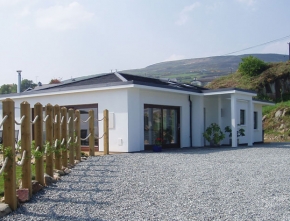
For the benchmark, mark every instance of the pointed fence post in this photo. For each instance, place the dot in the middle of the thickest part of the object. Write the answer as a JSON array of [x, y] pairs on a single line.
[[57, 160], [71, 135], [106, 132], [38, 130], [9, 148], [26, 146], [92, 132], [49, 138], [63, 112], [78, 135]]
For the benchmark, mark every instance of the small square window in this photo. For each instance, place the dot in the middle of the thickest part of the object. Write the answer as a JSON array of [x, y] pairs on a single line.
[[255, 120], [242, 117]]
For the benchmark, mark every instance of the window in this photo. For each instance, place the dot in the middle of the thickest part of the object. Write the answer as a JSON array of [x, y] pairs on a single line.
[[255, 120], [242, 117]]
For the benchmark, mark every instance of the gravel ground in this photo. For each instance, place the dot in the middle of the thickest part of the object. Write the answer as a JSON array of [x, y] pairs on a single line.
[[187, 184]]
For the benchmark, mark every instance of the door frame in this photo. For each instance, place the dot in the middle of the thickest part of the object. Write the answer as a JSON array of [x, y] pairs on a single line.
[[162, 107]]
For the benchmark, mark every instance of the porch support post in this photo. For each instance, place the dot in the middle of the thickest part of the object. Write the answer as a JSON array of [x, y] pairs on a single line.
[[234, 120], [250, 123]]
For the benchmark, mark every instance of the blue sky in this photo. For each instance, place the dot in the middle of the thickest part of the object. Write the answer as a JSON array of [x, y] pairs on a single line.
[[65, 38]]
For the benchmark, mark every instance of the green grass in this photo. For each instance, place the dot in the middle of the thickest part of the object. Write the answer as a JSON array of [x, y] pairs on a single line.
[[269, 109], [18, 176]]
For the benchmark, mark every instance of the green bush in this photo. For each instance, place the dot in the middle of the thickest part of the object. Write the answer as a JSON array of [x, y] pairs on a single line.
[[213, 134], [252, 66]]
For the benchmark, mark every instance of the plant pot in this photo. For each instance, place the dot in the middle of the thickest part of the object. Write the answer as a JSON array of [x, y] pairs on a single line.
[[212, 144], [157, 148], [238, 142]]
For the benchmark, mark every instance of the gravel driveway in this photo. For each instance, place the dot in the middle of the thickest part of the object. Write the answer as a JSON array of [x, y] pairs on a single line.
[[187, 184]]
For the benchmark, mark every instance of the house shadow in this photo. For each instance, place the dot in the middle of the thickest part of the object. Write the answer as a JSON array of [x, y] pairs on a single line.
[[82, 193], [223, 148]]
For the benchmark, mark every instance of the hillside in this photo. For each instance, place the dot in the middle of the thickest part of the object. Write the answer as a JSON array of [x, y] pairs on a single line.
[[272, 84], [186, 70]]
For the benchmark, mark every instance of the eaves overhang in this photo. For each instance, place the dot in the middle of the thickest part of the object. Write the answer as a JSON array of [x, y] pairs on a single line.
[[79, 89], [228, 91], [263, 103]]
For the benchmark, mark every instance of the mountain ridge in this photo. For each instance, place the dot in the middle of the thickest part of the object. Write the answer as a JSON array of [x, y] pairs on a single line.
[[187, 69]]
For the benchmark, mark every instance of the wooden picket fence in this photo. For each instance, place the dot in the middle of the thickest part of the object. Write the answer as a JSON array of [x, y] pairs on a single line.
[[62, 134]]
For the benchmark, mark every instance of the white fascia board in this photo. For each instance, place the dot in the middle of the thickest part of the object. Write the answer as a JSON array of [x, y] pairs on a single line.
[[263, 103], [70, 92], [166, 90], [102, 89], [229, 92]]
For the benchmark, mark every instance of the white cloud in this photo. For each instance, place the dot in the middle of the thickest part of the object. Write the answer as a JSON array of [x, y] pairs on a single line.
[[175, 57], [25, 12], [184, 14], [61, 17], [9, 2]]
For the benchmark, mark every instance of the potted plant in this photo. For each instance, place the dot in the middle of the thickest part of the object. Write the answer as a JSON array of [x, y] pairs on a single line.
[[213, 134], [167, 135], [157, 147], [240, 133]]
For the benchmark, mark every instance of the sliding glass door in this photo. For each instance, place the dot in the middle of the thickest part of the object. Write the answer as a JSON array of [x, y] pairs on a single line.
[[161, 123]]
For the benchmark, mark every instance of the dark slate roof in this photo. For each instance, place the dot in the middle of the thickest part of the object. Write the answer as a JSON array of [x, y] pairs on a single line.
[[118, 79], [102, 79], [111, 79]]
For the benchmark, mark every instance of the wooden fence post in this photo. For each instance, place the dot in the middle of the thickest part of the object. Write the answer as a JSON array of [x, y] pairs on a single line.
[[92, 132], [38, 130], [71, 135], [106, 132], [57, 160], [63, 112], [9, 147], [78, 134], [26, 146], [49, 138]]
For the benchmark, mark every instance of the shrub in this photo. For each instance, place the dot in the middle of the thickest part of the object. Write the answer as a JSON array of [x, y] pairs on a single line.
[[213, 134], [252, 66]]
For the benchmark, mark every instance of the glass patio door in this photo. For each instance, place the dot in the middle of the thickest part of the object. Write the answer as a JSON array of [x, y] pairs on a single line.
[[161, 123]]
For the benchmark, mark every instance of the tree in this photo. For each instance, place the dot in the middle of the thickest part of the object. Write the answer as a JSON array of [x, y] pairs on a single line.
[[8, 88], [252, 66], [25, 84], [54, 81], [12, 88]]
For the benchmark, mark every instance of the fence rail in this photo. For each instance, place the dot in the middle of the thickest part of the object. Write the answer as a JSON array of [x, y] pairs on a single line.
[[62, 131]]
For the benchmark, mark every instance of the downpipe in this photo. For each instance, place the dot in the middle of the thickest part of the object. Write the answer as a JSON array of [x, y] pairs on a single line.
[[190, 120]]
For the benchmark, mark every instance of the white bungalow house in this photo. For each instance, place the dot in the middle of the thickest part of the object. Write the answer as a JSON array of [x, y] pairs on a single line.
[[143, 109]]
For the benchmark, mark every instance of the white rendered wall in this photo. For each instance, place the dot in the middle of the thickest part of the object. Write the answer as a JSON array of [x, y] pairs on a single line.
[[258, 133], [127, 108], [113, 100], [197, 121], [135, 121], [211, 111], [169, 99], [243, 105], [226, 118], [212, 116]]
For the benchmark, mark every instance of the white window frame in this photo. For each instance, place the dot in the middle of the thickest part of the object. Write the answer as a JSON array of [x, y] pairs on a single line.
[[255, 120], [244, 117]]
